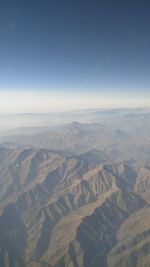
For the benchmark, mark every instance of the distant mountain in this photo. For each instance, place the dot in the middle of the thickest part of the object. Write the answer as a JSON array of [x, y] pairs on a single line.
[[120, 138]]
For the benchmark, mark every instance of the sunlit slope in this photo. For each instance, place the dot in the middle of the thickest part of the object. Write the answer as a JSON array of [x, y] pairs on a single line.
[[59, 210]]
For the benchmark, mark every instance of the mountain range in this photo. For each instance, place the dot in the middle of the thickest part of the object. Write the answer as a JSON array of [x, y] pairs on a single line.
[[77, 195]]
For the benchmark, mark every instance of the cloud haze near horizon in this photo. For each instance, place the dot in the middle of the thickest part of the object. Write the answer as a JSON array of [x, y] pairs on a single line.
[[51, 101]]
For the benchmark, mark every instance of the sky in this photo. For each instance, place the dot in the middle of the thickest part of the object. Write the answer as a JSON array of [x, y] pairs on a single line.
[[58, 55]]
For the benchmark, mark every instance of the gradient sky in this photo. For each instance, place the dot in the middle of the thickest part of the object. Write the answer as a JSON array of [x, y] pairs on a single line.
[[68, 54]]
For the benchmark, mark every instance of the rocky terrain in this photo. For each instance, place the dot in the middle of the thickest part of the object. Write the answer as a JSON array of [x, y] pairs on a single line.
[[77, 195], [59, 210]]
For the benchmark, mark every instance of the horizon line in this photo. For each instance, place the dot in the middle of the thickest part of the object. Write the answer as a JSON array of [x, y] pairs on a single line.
[[75, 110]]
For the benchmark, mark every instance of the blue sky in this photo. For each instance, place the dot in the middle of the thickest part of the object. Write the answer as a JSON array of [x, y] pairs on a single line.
[[79, 53]]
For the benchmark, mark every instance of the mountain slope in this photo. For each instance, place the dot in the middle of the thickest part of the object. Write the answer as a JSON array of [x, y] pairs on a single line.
[[59, 210]]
